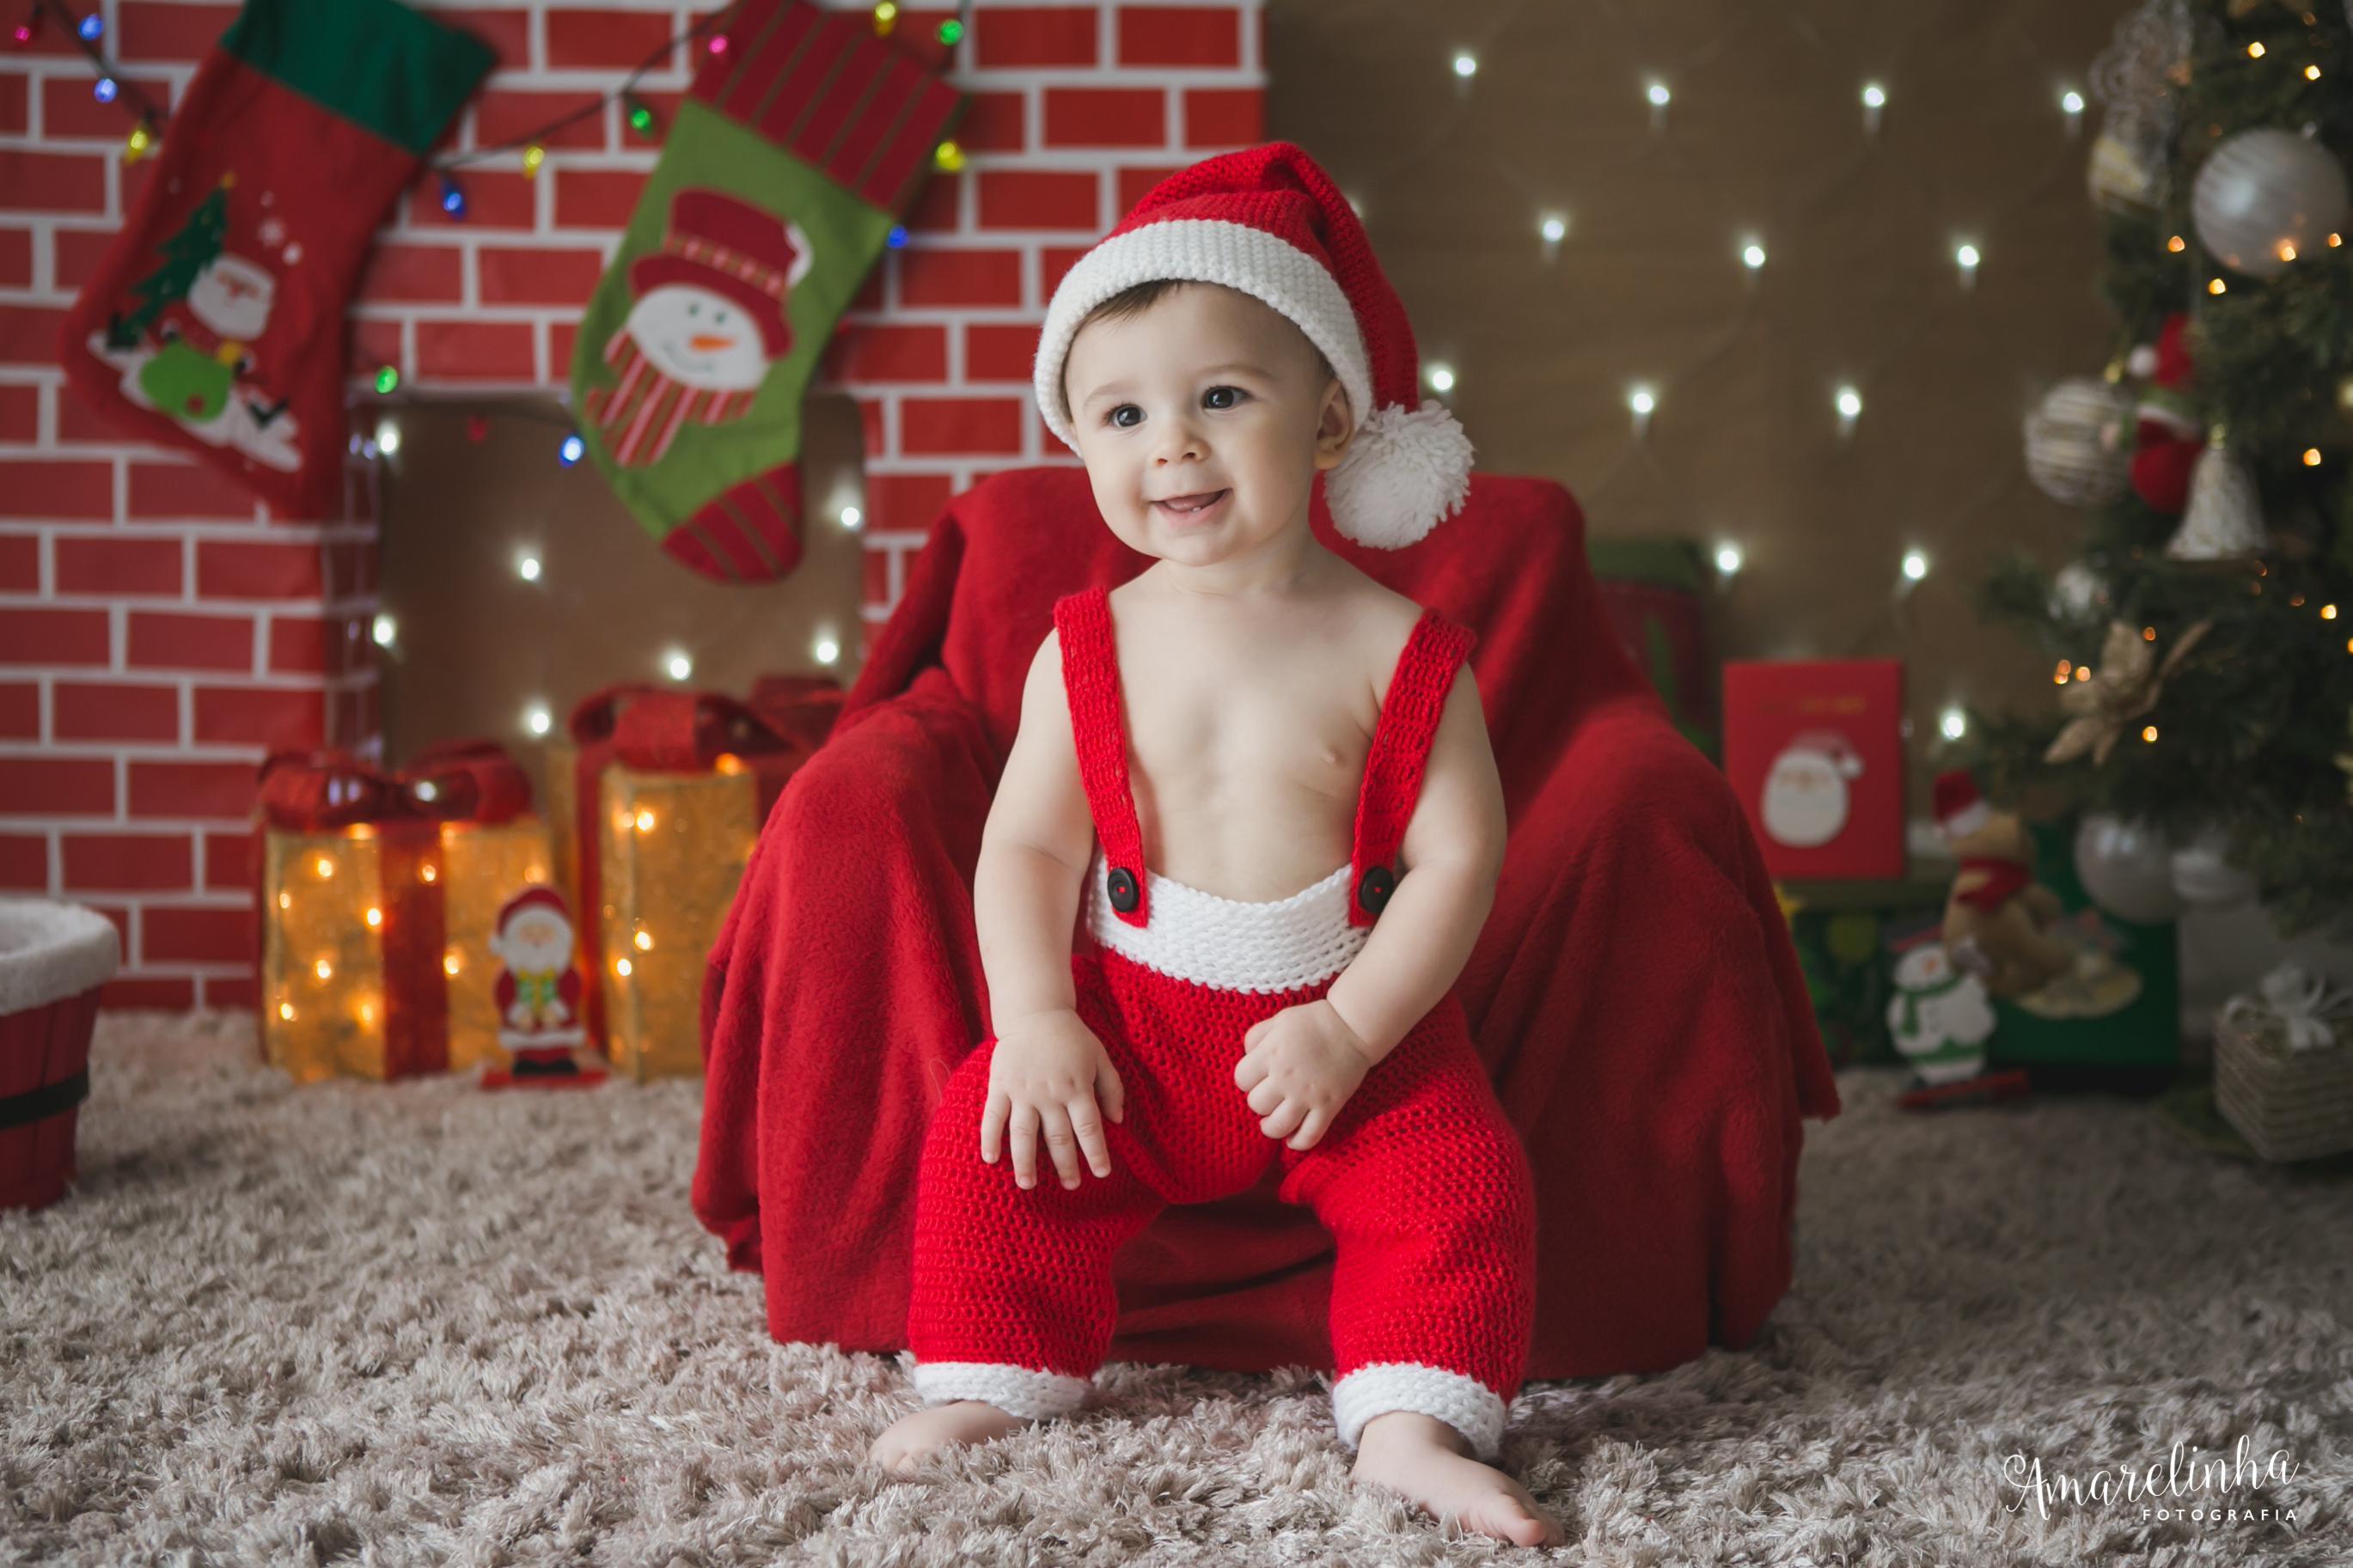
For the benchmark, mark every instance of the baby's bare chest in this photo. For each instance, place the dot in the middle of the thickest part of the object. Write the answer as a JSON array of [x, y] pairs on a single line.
[[1216, 726]]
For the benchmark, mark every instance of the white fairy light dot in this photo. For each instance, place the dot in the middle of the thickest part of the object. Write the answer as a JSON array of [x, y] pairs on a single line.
[[1915, 564], [1728, 559], [1441, 378], [2072, 102], [1466, 65], [383, 629], [851, 517], [536, 719], [527, 568], [1873, 95], [1640, 401], [827, 650], [1752, 256], [1553, 228], [1849, 403], [1966, 255], [678, 666], [1658, 95], [387, 437], [1953, 723]]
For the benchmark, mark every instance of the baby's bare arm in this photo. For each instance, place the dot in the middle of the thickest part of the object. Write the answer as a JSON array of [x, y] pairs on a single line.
[[1034, 851], [1050, 1080], [1454, 849]]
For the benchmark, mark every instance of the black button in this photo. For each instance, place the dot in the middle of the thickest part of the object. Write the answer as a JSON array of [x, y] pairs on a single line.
[[1123, 889], [1374, 890]]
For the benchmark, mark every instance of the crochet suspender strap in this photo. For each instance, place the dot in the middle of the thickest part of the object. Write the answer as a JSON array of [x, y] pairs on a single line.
[[1408, 722], [1091, 681]]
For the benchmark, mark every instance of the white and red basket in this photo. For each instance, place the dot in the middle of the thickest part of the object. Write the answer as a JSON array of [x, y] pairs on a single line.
[[53, 957]]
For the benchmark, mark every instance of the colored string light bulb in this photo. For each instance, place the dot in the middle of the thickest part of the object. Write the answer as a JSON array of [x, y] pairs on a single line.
[[533, 157], [91, 27], [453, 199], [950, 32], [387, 378], [886, 16], [572, 450], [136, 147], [897, 236], [948, 157], [103, 89], [641, 118]]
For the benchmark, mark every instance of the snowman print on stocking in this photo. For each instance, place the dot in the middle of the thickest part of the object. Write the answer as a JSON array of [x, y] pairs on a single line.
[[705, 325]]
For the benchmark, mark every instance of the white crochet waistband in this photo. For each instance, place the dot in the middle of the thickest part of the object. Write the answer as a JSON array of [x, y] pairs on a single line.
[[1279, 945]]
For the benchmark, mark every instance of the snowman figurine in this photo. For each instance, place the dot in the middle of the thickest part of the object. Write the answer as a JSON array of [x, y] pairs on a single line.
[[1941, 1016], [1805, 800], [705, 324]]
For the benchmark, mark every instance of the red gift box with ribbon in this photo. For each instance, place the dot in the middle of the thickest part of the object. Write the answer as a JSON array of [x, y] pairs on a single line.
[[375, 893]]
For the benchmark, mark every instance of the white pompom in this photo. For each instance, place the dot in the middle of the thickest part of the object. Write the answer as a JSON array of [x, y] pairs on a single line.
[[1405, 471]]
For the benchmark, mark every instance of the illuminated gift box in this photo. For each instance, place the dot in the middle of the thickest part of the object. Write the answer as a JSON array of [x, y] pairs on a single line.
[[376, 895], [681, 782]]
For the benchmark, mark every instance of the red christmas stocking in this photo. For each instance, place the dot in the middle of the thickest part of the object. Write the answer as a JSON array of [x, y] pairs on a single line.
[[216, 320]]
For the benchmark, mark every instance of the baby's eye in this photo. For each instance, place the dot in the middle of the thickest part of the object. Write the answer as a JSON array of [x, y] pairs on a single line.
[[1126, 417], [1222, 397]]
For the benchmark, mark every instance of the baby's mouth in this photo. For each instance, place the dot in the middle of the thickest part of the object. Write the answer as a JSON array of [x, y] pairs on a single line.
[[1190, 506]]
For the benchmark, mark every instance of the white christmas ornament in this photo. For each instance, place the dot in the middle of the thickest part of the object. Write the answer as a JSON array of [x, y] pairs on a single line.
[[2224, 519], [1805, 800], [2266, 197], [2128, 869], [2203, 877], [2075, 449], [2078, 595], [1941, 1016]]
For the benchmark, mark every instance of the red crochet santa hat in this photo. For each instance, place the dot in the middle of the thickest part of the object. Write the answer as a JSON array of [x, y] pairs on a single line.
[[1959, 809], [1270, 222]]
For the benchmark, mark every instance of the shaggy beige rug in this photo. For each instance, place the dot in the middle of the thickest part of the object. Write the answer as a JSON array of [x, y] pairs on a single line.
[[419, 1323]]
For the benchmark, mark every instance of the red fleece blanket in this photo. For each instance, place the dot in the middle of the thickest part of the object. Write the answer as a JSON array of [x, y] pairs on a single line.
[[1634, 992]]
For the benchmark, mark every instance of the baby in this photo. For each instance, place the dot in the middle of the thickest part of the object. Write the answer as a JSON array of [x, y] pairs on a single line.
[[1267, 779]]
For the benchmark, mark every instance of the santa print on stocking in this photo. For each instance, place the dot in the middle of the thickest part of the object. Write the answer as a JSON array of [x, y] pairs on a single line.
[[215, 322]]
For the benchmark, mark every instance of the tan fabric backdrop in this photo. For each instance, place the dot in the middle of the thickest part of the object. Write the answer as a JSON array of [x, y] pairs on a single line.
[[1762, 138]]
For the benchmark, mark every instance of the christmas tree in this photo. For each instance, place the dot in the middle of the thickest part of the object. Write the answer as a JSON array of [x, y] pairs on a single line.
[[2201, 642], [184, 257]]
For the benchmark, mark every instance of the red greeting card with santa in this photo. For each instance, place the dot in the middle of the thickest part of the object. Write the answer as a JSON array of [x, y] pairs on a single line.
[[1814, 748]]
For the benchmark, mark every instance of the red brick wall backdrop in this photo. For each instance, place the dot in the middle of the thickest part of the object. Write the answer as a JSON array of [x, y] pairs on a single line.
[[159, 630]]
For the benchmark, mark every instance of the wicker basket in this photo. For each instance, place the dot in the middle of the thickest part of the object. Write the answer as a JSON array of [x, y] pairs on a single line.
[[2290, 1105]]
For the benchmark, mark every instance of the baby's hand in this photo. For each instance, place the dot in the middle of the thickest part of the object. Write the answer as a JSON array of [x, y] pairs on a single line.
[[1043, 1077], [1298, 1068]]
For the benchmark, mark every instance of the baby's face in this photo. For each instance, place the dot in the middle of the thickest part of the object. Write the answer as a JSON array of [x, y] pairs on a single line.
[[1202, 422]]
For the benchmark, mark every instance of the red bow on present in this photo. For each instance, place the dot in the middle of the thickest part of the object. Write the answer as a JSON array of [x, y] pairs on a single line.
[[664, 730], [451, 781]]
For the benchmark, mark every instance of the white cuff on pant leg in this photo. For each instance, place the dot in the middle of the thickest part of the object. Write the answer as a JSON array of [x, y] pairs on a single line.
[[1015, 1390], [1465, 1404]]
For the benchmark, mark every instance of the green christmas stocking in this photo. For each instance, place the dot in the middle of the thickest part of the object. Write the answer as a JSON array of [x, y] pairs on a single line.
[[794, 151]]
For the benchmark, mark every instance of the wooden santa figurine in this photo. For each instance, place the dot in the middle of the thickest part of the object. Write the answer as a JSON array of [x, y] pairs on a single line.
[[538, 994]]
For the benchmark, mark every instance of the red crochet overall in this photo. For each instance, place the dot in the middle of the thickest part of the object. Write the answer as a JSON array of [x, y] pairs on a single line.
[[1421, 1179]]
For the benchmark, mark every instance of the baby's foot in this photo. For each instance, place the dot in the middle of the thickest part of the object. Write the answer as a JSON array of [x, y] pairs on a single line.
[[1426, 1461], [905, 1441]]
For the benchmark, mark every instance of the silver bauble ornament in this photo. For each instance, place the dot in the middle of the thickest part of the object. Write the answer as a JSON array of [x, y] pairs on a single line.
[[2264, 197], [2224, 519], [2075, 449], [2128, 869], [2203, 877], [2079, 596]]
